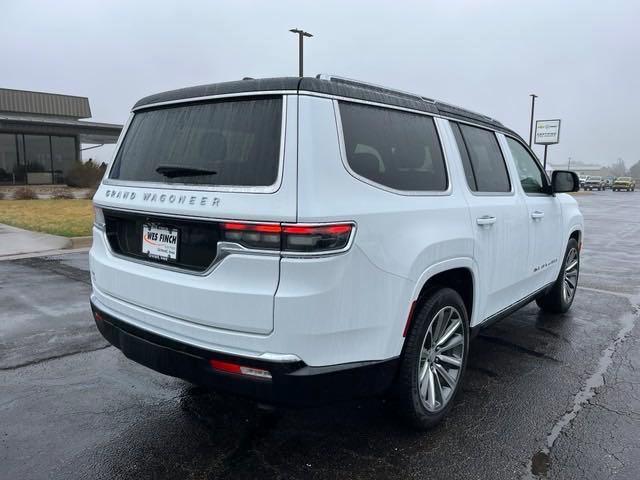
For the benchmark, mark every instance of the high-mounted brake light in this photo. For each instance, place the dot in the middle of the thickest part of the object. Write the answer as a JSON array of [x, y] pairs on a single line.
[[288, 237]]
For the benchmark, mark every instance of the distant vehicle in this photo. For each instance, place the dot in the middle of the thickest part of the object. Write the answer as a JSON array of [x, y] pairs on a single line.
[[582, 180], [594, 183], [624, 183]]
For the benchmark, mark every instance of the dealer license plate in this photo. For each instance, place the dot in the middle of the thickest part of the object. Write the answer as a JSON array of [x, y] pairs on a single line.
[[159, 242]]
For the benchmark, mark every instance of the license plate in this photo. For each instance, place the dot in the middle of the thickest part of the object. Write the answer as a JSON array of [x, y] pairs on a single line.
[[160, 242]]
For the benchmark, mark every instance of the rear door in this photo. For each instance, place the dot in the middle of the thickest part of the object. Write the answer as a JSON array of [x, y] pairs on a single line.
[[498, 217], [544, 214], [183, 175]]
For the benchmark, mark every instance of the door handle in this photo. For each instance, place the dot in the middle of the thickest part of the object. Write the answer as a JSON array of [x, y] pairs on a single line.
[[486, 220], [537, 215]]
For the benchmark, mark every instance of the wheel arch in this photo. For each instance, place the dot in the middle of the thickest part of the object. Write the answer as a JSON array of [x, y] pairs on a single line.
[[459, 274]]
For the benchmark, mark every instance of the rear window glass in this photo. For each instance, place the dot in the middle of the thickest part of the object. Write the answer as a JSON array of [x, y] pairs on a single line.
[[397, 149], [230, 143]]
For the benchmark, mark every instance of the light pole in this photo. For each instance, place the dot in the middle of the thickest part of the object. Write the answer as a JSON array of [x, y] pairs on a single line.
[[569, 164], [301, 35], [533, 107]]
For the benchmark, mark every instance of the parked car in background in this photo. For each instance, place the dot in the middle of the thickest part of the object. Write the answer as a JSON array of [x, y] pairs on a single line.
[[624, 183], [303, 240], [582, 180], [594, 183]]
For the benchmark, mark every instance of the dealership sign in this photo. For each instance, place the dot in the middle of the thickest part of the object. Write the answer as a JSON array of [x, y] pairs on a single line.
[[547, 132]]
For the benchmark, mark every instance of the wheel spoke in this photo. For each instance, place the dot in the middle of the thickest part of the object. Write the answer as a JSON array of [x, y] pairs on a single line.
[[450, 331], [438, 389], [438, 326], [571, 282], [431, 391], [571, 266], [424, 383], [456, 362], [454, 342], [423, 372], [445, 376]]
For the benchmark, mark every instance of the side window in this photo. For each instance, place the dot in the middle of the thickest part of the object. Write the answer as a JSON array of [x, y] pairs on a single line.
[[397, 149], [485, 160], [532, 178]]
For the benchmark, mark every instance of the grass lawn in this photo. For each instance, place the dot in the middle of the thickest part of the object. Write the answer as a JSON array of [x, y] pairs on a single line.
[[69, 218]]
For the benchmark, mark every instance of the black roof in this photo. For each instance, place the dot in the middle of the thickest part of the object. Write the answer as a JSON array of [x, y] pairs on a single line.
[[333, 86]]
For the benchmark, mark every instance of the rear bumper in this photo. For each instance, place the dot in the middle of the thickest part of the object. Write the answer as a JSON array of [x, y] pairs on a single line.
[[292, 383]]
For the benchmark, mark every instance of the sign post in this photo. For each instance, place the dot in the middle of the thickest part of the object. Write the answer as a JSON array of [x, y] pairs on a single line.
[[547, 133]]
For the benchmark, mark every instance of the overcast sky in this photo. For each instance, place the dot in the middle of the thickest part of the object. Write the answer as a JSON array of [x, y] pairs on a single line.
[[582, 58]]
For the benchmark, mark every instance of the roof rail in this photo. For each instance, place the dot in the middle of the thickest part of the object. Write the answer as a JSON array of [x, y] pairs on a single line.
[[368, 86], [443, 106]]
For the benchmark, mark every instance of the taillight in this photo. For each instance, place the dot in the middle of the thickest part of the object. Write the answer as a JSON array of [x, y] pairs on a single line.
[[264, 236], [315, 238], [289, 238], [98, 218]]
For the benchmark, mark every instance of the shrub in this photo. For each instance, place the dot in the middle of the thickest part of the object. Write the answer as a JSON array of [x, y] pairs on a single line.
[[85, 175], [62, 195], [90, 194], [25, 193]]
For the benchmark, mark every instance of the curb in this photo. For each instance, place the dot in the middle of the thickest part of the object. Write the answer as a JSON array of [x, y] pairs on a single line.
[[81, 242]]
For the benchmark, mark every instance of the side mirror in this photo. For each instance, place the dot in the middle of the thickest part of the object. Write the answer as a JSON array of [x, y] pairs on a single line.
[[563, 181]]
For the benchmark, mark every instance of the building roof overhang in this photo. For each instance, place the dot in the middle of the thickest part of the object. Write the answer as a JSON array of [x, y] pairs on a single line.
[[88, 132]]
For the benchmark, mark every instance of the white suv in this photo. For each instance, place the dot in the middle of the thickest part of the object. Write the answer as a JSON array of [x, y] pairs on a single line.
[[304, 240]]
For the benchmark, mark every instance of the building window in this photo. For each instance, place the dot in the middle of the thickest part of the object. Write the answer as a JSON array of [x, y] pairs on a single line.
[[63, 150], [37, 151], [36, 159], [9, 169]]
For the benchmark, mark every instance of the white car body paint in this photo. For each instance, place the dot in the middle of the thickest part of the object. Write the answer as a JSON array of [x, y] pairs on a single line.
[[335, 309]]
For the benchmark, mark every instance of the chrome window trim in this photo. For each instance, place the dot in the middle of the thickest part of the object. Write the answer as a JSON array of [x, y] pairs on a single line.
[[273, 188], [406, 193]]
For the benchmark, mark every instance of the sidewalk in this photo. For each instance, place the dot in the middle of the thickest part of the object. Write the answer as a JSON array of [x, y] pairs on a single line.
[[16, 241]]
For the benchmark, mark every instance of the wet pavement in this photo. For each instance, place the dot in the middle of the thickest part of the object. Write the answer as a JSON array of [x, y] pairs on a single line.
[[545, 396]]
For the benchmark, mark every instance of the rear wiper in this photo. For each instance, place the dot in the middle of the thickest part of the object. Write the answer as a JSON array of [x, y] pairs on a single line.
[[172, 171]]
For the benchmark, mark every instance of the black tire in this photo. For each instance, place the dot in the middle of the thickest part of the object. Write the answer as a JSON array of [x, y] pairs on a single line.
[[406, 398], [555, 299]]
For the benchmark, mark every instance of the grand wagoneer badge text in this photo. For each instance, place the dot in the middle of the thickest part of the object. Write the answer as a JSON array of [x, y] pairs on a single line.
[[178, 199]]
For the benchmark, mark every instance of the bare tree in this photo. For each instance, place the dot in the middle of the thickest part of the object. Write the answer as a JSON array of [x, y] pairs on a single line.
[[618, 168], [634, 171]]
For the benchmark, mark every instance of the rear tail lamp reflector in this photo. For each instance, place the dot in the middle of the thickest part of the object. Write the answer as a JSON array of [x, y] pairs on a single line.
[[289, 238], [229, 367]]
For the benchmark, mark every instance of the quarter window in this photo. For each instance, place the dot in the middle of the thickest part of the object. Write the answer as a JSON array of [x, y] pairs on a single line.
[[397, 149], [531, 175], [482, 160]]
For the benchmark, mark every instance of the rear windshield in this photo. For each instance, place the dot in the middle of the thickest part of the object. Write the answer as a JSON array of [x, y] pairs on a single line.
[[230, 143]]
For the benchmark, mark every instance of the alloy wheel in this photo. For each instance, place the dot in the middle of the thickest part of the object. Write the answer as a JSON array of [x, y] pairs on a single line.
[[441, 359], [570, 275]]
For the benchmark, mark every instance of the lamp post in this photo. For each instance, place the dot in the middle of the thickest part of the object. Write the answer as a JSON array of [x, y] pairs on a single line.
[[569, 164], [301, 35], [533, 107]]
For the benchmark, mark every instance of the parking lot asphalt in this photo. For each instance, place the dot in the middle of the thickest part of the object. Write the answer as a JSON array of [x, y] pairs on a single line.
[[545, 396]]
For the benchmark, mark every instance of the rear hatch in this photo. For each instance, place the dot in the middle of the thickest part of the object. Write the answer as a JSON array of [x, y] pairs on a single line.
[[184, 175]]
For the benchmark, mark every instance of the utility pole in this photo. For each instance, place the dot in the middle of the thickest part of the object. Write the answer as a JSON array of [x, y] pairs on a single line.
[[301, 35], [569, 164], [533, 107]]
